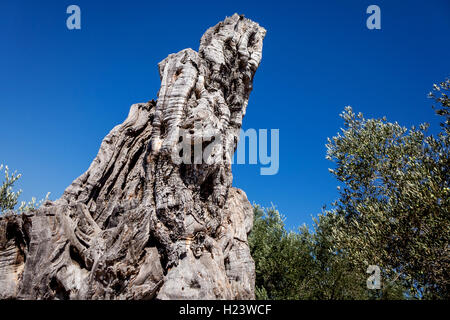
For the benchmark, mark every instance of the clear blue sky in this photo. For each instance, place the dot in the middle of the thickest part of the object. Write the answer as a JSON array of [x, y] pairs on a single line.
[[62, 91]]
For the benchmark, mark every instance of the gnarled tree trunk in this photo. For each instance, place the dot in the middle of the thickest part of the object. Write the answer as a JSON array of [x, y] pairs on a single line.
[[140, 223]]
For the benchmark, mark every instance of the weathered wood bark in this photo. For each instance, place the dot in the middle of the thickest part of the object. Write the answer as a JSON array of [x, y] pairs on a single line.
[[138, 224]]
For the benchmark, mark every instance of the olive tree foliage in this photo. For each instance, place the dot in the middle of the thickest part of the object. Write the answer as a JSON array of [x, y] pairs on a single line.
[[282, 258], [394, 205], [393, 211], [300, 264], [9, 197], [440, 95]]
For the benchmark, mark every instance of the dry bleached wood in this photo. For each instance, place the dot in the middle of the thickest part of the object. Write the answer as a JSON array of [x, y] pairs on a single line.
[[138, 224]]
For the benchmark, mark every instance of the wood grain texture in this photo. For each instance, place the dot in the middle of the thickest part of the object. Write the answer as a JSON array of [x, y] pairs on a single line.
[[138, 224]]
